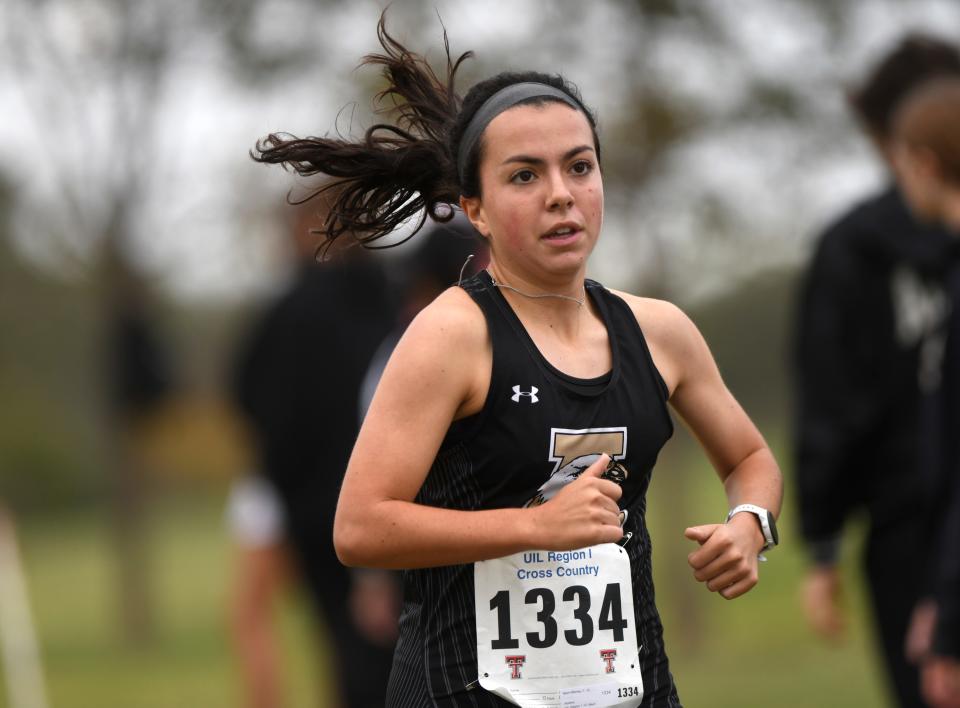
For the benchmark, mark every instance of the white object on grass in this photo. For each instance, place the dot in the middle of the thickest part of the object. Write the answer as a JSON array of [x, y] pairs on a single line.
[[18, 642]]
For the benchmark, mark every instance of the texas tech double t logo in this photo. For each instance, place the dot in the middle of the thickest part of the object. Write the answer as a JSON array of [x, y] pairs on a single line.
[[609, 656], [515, 663]]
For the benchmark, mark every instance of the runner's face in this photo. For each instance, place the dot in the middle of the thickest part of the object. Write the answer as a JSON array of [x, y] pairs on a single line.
[[541, 203]]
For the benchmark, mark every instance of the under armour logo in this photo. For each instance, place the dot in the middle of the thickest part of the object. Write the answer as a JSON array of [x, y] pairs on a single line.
[[531, 394]]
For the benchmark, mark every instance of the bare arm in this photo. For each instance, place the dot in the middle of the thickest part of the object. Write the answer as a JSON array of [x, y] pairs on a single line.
[[439, 372], [727, 558], [735, 447]]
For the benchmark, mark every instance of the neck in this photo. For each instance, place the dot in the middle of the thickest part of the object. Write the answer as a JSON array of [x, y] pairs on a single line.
[[561, 306], [569, 283], [553, 288]]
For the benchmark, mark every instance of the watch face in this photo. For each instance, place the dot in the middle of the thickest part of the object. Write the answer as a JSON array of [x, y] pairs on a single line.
[[773, 528]]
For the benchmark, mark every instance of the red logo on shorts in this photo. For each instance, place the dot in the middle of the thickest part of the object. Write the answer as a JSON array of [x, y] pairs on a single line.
[[609, 656], [515, 663]]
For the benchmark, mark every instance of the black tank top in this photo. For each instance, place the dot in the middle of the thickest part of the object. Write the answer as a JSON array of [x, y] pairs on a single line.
[[538, 429]]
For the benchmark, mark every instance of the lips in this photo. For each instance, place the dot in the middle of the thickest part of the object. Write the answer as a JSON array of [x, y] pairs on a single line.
[[562, 230]]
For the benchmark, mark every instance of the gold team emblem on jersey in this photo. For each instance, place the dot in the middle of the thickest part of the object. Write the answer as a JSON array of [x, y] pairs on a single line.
[[573, 451]]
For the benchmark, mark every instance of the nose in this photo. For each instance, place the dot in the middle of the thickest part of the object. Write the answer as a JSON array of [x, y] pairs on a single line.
[[559, 195]]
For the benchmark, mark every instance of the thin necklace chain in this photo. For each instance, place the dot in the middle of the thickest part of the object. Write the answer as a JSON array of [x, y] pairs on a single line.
[[578, 300]]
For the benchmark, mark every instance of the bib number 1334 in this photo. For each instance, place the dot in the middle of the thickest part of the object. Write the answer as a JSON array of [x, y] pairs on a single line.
[[556, 628], [611, 617]]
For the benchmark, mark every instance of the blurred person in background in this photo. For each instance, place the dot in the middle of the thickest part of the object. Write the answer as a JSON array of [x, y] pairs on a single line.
[[261, 572], [926, 130], [296, 382], [868, 346], [139, 378]]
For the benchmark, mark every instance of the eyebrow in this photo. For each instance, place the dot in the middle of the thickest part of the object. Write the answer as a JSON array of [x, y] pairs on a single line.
[[540, 161]]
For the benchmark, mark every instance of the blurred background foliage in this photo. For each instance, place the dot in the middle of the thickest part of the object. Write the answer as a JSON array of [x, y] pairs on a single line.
[[123, 160]]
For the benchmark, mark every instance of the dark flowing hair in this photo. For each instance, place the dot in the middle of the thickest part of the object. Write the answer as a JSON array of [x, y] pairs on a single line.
[[398, 171]]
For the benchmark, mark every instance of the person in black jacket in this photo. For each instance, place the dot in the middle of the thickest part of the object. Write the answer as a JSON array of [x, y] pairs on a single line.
[[296, 382], [869, 341], [927, 160]]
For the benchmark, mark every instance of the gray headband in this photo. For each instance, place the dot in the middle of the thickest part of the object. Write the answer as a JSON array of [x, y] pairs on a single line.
[[503, 99]]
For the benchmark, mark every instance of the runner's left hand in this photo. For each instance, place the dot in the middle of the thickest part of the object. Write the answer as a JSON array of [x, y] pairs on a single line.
[[727, 558]]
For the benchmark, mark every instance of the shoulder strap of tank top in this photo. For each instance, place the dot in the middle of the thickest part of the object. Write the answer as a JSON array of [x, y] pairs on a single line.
[[628, 329], [480, 291], [479, 288]]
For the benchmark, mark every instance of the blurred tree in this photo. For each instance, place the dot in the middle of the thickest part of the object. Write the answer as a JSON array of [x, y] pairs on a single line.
[[92, 77], [96, 84], [47, 453]]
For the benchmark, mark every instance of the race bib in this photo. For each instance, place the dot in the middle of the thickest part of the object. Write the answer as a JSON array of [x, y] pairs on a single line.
[[556, 628]]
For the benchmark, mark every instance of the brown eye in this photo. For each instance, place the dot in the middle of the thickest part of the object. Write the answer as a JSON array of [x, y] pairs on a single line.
[[522, 177], [582, 167]]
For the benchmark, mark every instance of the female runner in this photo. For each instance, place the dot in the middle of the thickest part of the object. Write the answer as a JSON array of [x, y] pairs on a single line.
[[505, 457]]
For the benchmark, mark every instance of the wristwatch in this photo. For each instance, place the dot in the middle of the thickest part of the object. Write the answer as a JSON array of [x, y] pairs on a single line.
[[767, 523]]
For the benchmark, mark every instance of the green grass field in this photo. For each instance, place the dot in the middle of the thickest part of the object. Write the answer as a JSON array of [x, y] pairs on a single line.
[[754, 651]]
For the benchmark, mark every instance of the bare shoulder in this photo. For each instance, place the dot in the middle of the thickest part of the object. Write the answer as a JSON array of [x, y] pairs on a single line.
[[673, 338], [446, 350], [453, 320], [661, 321]]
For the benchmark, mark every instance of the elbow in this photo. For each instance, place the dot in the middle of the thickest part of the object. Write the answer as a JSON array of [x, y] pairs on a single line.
[[362, 537], [347, 543], [355, 542]]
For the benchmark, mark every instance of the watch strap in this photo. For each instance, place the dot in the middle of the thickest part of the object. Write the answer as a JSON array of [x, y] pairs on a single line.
[[762, 517]]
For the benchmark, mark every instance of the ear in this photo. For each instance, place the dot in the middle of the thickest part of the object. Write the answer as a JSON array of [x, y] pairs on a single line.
[[473, 208]]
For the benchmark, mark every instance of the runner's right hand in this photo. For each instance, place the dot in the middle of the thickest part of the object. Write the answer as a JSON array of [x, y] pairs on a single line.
[[583, 513]]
